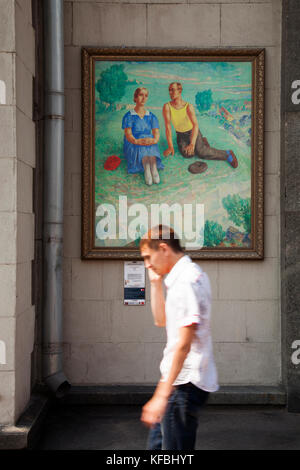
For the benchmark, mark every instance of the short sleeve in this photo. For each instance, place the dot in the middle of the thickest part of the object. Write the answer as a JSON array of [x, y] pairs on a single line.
[[190, 309], [154, 122], [127, 120]]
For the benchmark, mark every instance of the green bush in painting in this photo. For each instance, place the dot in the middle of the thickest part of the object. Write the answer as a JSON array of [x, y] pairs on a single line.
[[213, 233], [204, 100], [239, 210], [112, 84]]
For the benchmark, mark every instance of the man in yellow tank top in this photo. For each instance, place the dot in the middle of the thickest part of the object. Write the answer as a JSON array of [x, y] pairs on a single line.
[[189, 138]]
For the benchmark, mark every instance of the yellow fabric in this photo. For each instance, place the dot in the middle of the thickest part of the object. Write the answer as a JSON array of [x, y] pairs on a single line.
[[180, 119]]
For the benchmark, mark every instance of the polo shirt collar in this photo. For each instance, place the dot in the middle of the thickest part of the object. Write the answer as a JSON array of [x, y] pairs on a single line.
[[134, 113], [176, 270]]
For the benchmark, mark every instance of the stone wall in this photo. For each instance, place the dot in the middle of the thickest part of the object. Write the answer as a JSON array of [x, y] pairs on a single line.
[[106, 342], [17, 160]]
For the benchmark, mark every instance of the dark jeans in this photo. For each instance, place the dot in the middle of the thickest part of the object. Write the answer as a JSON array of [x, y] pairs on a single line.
[[178, 428], [201, 150]]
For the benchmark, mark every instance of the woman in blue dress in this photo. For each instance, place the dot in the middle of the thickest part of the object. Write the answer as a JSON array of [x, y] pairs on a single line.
[[140, 140]]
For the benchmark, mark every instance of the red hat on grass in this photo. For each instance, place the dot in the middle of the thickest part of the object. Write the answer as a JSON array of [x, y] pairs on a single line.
[[112, 163]]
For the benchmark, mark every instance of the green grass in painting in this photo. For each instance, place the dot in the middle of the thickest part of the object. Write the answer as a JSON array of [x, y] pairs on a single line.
[[177, 183]]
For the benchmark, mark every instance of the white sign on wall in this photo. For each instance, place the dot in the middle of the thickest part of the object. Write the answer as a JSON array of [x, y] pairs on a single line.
[[134, 283]]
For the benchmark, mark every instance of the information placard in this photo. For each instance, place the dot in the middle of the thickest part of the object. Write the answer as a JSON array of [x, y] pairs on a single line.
[[134, 283]]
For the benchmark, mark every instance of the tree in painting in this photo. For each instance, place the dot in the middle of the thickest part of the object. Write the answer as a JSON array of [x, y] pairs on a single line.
[[112, 84]]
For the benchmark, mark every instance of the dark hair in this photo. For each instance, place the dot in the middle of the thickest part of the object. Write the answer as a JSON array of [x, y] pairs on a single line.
[[137, 92], [176, 83], [161, 233]]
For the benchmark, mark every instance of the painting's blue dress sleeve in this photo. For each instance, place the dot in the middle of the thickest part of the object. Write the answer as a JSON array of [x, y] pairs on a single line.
[[127, 120], [154, 122]]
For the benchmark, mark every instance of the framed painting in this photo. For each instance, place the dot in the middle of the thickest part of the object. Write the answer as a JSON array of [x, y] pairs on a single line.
[[173, 137]]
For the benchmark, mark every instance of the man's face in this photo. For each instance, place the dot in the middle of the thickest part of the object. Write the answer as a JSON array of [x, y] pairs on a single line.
[[174, 91], [155, 259]]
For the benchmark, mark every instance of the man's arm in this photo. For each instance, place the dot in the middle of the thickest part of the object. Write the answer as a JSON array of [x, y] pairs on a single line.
[[167, 118], [157, 299], [186, 335], [155, 409], [190, 149]]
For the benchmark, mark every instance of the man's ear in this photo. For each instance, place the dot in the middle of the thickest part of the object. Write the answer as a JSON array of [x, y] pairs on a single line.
[[167, 250], [163, 246]]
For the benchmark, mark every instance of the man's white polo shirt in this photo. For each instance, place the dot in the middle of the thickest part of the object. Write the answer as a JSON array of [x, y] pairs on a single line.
[[188, 301]]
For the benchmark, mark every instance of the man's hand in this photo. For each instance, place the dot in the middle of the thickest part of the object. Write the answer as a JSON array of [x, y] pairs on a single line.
[[153, 277], [154, 410], [169, 151], [190, 150]]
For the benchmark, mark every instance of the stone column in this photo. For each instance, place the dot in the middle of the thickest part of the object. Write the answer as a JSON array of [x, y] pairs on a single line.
[[290, 201], [17, 160]]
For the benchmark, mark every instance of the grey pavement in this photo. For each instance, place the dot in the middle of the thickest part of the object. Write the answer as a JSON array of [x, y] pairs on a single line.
[[118, 427]]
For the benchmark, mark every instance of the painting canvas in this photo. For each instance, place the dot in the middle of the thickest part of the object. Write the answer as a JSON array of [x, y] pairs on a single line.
[[173, 138]]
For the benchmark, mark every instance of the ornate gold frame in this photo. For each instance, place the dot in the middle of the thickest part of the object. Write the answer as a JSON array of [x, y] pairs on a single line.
[[257, 57]]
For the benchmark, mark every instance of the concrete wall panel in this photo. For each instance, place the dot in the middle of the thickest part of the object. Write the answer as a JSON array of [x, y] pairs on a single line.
[[255, 281], [248, 363], [244, 25], [109, 25], [7, 190], [130, 323], [7, 335], [198, 25], [7, 76], [17, 158], [8, 223], [7, 26], [101, 363], [245, 314], [7, 398], [25, 40], [8, 132], [7, 290], [26, 7], [25, 237], [24, 182], [25, 138], [153, 355], [24, 88], [94, 317], [24, 280]]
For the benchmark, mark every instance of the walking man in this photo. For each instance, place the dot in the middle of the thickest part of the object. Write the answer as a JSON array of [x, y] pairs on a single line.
[[188, 372], [189, 138]]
